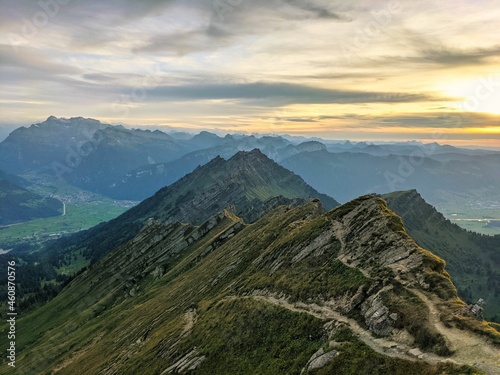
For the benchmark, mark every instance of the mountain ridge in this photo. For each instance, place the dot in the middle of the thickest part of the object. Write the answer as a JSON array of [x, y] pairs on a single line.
[[191, 299], [250, 183], [18, 205], [472, 259]]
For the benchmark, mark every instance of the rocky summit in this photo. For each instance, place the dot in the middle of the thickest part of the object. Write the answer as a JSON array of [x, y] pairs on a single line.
[[249, 184], [299, 291]]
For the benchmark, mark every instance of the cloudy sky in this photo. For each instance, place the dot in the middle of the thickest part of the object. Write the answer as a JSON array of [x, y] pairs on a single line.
[[359, 70]]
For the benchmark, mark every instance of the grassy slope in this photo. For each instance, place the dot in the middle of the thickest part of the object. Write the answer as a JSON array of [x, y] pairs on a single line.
[[18, 204], [92, 325], [472, 260]]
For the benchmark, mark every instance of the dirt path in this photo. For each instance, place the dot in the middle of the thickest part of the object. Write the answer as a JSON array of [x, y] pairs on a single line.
[[468, 348], [381, 346]]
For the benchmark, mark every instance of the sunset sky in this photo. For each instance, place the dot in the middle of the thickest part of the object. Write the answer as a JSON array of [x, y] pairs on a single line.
[[358, 70]]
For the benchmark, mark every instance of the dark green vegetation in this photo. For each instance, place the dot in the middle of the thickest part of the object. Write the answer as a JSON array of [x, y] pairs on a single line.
[[179, 296], [16, 180], [254, 338], [360, 359], [18, 204], [250, 183], [473, 260]]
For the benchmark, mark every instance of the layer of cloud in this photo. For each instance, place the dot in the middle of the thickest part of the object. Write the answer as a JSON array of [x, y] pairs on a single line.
[[282, 94], [366, 61]]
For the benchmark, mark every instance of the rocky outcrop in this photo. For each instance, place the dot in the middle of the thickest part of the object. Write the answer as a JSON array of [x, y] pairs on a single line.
[[249, 182], [370, 248], [320, 359], [186, 298], [187, 363], [152, 252], [467, 254], [377, 315]]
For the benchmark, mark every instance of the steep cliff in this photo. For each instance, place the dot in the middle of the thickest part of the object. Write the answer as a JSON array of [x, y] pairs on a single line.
[[299, 291], [472, 259]]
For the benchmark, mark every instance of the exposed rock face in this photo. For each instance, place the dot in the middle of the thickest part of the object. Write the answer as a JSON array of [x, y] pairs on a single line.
[[377, 316], [320, 359], [369, 245], [249, 182], [187, 363], [367, 237], [467, 254], [154, 248], [182, 298]]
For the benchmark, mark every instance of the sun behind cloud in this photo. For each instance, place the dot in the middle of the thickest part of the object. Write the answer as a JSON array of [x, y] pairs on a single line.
[[477, 95]]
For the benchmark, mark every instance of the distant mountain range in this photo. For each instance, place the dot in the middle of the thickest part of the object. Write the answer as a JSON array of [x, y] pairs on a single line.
[[85, 152], [134, 164], [347, 175], [242, 267], [18, 204], [146, 180]]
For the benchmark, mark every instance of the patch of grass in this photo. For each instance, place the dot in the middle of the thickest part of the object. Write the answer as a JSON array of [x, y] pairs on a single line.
[[356, 358], [310, 280], [413, 315], [339, 212], [319, 276], [250, 337], [74, 263]]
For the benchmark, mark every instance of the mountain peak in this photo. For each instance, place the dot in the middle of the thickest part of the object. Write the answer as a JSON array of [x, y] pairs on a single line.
[[249, 181], [53, 118], [206, 134], [255, 153]]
